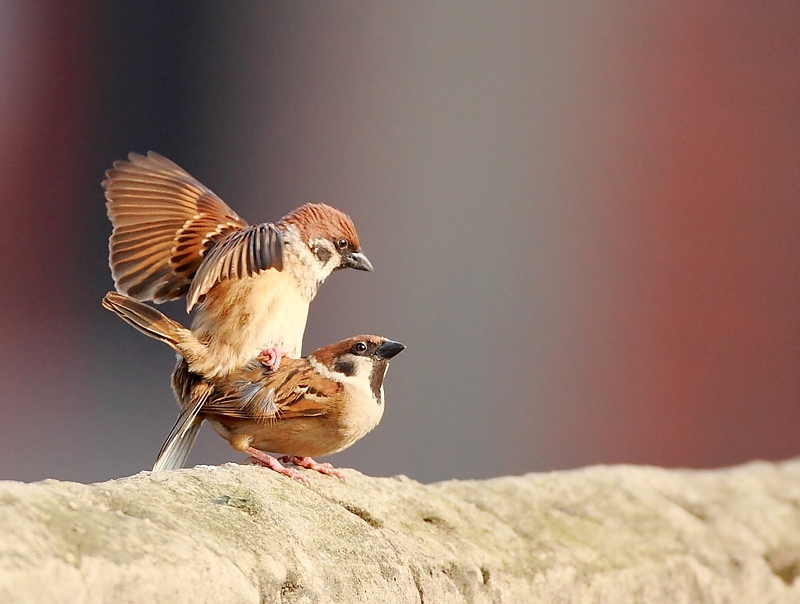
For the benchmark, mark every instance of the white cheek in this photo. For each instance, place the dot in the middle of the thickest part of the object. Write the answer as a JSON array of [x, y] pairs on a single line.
[[363, 368], [359, 379], [316, 271], [334, 260], [332, 265]]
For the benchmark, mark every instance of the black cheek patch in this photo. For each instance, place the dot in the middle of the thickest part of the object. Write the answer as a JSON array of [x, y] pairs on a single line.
[[322, 254], [345, 367]]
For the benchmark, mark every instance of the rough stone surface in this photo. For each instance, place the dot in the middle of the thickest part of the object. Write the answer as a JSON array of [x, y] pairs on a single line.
[[243, 534]]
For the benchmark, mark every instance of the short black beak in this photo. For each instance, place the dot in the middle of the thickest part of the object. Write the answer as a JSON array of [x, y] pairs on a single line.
[[389, 349], [358, 261]]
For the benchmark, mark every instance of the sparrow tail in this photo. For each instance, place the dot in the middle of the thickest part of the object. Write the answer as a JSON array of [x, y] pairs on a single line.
[[150, 322], [178, 443]]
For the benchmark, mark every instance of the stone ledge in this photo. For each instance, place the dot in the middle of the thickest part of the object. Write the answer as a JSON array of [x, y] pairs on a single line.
[[241, 534]]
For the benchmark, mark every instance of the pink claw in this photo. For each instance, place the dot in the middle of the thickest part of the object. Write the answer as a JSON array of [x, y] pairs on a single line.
[[259, 458], [271, 357], [307, 462]]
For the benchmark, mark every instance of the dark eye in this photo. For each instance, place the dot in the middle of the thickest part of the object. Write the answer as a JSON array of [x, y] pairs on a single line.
[[342, 243], [359, 348]]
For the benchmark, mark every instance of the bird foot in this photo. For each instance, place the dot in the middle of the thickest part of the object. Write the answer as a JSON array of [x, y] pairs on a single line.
[[271, 357], [307, 462], [259, 458]]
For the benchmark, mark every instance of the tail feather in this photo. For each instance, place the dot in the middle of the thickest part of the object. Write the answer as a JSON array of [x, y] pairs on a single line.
[[148, 320], [178, 443], [153, 323]]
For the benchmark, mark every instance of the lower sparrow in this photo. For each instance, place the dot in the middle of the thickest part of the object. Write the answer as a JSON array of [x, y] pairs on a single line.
[[311, 406]]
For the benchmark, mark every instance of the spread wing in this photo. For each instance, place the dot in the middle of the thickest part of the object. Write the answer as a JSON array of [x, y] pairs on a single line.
[[292, 391], [165, 221], [242, 253]]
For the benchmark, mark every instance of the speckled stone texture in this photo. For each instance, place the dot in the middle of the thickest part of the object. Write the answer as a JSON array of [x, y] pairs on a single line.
[[243, 534]]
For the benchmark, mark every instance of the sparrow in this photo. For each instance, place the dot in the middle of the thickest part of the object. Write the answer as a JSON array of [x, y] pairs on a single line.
[[307, 407], [251, 285]]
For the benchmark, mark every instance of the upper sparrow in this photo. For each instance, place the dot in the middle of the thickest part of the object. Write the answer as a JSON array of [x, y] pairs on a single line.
[[317, 405], [252, 285]]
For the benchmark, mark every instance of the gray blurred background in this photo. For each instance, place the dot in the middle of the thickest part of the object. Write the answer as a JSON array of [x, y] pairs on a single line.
[[583, 216]]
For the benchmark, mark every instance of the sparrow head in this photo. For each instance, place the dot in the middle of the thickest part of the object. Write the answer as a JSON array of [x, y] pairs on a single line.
[[330, 236], [359, 360]]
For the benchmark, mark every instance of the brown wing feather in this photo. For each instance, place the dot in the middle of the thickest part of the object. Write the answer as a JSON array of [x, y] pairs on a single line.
[[165, 221], [242, 253], [257, 394]]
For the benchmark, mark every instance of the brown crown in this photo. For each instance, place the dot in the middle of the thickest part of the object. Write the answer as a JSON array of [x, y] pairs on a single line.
[[321, 221], [327, 354]]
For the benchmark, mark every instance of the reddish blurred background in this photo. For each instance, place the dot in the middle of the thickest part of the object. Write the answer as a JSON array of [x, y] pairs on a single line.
[[584, 220]]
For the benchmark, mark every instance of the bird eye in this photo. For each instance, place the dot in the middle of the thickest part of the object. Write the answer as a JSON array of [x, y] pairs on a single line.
[[360, 347], [342, 243]]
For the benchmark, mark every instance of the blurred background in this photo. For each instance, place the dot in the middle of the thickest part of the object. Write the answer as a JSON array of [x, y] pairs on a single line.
[[584, 220]]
